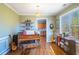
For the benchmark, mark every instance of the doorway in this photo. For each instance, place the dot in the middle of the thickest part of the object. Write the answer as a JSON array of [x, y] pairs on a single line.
[[41, 25]]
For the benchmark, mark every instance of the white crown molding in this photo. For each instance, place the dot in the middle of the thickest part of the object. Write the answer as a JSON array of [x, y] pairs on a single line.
[[18, 12], [11, 8], [34, 14]]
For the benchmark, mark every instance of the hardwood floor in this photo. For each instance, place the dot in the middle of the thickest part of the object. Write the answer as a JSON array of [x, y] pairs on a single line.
[[57, 50], [44, 49]]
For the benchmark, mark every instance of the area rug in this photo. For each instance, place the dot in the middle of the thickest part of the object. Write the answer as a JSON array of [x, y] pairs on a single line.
[[26, 51]]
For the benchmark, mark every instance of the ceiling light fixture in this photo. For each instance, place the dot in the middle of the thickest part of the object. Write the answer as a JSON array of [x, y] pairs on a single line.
[[38, 13]]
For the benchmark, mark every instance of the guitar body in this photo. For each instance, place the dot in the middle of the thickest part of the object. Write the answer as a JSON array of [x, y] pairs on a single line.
[[13, 46]]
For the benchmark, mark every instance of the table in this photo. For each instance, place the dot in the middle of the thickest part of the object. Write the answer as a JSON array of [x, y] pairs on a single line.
[[22, 38]]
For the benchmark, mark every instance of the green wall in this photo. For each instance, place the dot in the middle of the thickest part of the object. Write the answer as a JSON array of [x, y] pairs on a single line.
[[8, 21], [32, 17]]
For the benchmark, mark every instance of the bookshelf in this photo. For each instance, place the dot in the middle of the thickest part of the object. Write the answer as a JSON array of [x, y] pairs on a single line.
[[26, 25]]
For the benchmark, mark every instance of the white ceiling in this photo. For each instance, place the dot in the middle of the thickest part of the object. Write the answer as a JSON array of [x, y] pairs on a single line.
[[31, 9]]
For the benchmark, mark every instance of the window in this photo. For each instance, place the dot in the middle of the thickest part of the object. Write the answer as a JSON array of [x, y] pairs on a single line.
[[70, 23]]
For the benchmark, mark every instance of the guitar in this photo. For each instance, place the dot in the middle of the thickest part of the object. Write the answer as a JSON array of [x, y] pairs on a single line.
[[13, 46]]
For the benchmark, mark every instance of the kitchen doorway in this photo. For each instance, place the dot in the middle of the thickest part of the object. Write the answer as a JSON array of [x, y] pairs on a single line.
[[41, 25]]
